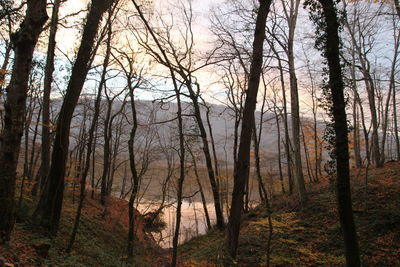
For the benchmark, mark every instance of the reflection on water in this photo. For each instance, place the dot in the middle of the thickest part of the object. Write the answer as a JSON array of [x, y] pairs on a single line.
[[193, 221]]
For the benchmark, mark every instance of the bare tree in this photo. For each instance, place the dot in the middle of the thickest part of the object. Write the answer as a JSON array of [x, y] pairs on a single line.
[[182, 62], [24, 42], [242, 169], [336, 86], [291, 13], [48, 78], [360, 33], [50, 203]]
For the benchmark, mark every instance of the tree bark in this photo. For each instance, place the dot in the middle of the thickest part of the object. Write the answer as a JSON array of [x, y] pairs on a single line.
[[392, 90], [48, 78], [207, 154], [371, 90], [3, 72], [285, 121], [395, 125], [181, 173], [203, 198], [294, 103], [242, 168], [24, 42], [50, 204], [135, 176], [90, 147], [341, 140]]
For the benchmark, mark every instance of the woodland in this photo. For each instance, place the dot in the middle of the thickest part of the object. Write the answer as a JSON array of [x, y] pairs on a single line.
[[199, 133]]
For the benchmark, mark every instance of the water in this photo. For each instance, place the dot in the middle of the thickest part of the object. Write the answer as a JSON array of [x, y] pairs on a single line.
[[193, 222]]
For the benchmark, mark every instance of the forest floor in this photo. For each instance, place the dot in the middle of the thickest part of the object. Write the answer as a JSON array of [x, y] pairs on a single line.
[[311, 236], [301, 237], [100, 241]]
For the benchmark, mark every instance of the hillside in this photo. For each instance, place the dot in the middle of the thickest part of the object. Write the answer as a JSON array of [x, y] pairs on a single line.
[[308, 237], [101, 240], [312, 237]]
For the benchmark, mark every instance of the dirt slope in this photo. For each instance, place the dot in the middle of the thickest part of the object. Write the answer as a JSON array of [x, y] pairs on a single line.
[[101, 240], [312, 236]]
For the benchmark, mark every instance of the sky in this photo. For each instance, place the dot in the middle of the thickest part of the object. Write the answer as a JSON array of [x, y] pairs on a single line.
[[68, 39]]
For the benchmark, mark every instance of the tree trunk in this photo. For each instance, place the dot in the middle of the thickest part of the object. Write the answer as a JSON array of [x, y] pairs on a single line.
[[242, 168], [341, 140], [32, 160], [203, 198], [50, 204], [3, 72], [89, 150], [207, 155], [181, 175], [356, 135], [306, 154], [285, 121], [392, 90], [135, 177], [256, 143], [106, 155], [371, 90], [48, 78], [24, 42], [395, 125], [278, 127], [294, 102]]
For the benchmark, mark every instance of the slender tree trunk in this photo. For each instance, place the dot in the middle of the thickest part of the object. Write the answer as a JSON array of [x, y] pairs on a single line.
[[93, 183], [395, 125], [294, 102], [392, 90], [181, 136], [50, 204], [385, 122], [356, 135], [256, 143], [306, 155], [106, 155], [278, 127], [24, 42], [341, 141], [248, 121], [374, 120], [216, 168], [3, 72], [89, 150], [203, 198], [285, 122], [48, 78], [207, 155], [28, 121], [181, 177], [122, 194], [32, 161], [115, 153], [135, 176], [371, 91]]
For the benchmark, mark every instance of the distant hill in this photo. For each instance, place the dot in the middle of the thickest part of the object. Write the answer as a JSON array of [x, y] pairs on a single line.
[[221, 119]]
